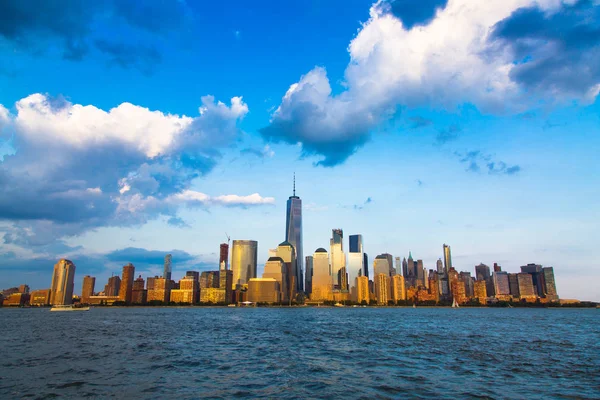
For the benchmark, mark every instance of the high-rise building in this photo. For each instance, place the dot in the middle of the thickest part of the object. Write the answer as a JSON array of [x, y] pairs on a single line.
[[223, 256], [40, 297], [275, 268], [112, 288], [526, 288], [447, 258], [308, 273], [513, 283], [366, 265], [501, 283], [482, 272], [88, 288], [398, 288], [362, 289], [244, 256], [187, 292], [465, 277], [338, 257], [287, 253], [161, 290], [551, 292], [480, 293], [24, 289], [381, 265], [343, 279], [398, 265], [405, 268], [382, 288], [62, 283], [139, 295], [497, 268], [420, 273], [356, 258], [537, 276], [439, 266], [127, 283], [322, 280], [293, 234], [167, 268]]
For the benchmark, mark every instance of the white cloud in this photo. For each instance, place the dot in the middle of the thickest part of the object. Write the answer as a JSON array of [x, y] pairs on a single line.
[[193, 198], [450, 61]]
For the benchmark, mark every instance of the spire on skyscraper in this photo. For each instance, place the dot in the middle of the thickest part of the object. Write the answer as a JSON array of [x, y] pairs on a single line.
[[294, 184]]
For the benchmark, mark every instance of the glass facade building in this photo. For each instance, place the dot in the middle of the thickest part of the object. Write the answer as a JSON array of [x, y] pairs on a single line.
[[293, 234], [244, 257], [356, 259]]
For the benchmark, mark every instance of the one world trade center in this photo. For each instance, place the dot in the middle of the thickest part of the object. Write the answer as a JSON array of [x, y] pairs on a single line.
[[293, 233]]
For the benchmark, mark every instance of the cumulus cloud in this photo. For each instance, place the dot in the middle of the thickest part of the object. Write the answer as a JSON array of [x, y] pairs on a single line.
[[193, 198], [79, 167], [461, 55]]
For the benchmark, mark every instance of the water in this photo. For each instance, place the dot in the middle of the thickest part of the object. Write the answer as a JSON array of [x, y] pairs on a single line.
[[300, 353]]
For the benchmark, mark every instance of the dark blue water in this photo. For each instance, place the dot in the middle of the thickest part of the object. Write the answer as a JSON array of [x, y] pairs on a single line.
[[300, 353]]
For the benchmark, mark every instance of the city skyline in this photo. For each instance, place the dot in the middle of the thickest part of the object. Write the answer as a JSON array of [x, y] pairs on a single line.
[[115, 150]]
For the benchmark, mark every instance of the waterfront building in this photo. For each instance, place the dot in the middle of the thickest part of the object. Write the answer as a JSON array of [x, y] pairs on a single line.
[[167, 268], [263, 290], [195, 275], [398, 288], [356, 258], [447, 258], [338, 257], [223, 256], [24, 289], [465, 277], [537, 277], [88, 288], [526, 288], [497, 268], [103, 300], [382, 288], [293, 235], [308, 273], [127, 283], [420, 273], [480, 292], [16, 300], [244, 256], [113, 286], [188, 290], [405, 268], [208, 279], [287, 253], [458, 291], [275, 268], [226, 284], [161, 290], [513, 284], [501, 284], [482, 272], [322, 280], [362, 289], [343, 279], [214, 296], [551, 293], [381, 265], [139, 295], [40, 297], [452, 278], [62, 283]]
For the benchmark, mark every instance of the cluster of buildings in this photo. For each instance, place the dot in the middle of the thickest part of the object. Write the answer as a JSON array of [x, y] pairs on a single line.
[[290, 278]]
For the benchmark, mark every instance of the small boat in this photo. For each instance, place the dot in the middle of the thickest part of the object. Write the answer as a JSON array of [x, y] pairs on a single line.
[[69, 307], [455, 304], [339, 305]]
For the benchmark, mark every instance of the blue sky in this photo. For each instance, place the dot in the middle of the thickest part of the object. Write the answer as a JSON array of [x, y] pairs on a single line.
[[131, 129]]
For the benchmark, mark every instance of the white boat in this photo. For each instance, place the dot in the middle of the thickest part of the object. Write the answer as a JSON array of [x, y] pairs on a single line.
[[69, 307], [455, 304], [339, 305]]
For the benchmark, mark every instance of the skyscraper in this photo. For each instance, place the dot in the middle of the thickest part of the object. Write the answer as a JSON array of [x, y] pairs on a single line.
[[381, 265], [447, 258], [338, 258], [127, 283], [287, 253], [293, 233], [88, 288], [551, 293], [308, 274], [322, 280], [356, 258], [244, 256], [439, 266], [62, 283], [223, 255], [167, 268]]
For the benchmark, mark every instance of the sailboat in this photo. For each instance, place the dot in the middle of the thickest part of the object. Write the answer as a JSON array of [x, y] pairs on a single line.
[[454, 303]]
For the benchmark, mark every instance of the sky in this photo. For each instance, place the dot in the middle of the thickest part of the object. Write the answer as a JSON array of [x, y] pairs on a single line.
[[133, 129]]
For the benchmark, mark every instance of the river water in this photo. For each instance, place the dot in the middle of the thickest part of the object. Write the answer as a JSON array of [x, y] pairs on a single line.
[[300, 353]]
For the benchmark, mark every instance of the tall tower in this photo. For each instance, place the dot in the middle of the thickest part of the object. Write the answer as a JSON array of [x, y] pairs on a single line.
[[223, 256], [62, 283], [244, 256], [338, 258], [127, 283], [447, 258], [293, 233], [167, 269], [88, 288], [356, 259]]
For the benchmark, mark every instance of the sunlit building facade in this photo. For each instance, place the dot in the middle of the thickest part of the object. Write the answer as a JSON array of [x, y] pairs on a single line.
[[356, 259], [276, 269], [382, 288], [244, 256], [338, 257], [398, 288], [62, 283], [322, 279], [293, 235], [127, 283], [263, 290], [447, 258]]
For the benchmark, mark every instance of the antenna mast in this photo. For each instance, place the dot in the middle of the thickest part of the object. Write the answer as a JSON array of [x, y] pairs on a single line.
[[294, 184]]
